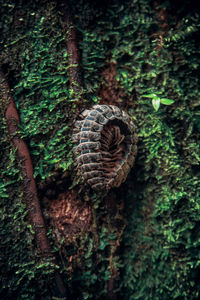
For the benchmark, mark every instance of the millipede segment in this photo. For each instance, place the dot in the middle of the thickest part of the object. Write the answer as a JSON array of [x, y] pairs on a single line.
[[106, 146]]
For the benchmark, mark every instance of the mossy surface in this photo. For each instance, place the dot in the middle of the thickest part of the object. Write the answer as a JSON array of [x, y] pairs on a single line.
[[151, 246]]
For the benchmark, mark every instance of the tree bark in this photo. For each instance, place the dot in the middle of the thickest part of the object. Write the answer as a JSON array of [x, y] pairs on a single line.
[[29, 185]]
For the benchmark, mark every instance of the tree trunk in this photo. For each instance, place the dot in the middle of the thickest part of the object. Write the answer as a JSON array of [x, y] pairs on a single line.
[[137, 241]]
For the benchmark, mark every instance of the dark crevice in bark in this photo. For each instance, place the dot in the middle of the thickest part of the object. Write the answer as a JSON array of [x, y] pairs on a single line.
[[110, 287], [29, 185], [114, 208]]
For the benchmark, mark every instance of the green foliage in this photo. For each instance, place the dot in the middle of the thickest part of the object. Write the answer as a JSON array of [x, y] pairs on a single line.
[[159, 254], [45, 79], [161, 242], [156, 101], [40, 91], [23, 275]]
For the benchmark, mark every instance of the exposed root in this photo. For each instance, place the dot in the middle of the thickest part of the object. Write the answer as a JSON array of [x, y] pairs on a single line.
[[29, 185]]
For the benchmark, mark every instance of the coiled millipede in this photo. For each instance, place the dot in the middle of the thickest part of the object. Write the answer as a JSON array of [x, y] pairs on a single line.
[[106, 146]]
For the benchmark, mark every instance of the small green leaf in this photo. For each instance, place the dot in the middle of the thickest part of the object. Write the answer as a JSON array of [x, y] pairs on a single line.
[[124, 74], [156, 104], [4, 195], [149, 96], [45, 93], [166, 101]]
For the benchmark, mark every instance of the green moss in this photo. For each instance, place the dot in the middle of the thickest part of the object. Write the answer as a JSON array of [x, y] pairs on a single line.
[[158, 257]]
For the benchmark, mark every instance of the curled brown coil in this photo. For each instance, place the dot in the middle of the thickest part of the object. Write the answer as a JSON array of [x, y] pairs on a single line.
[[106, 146]]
